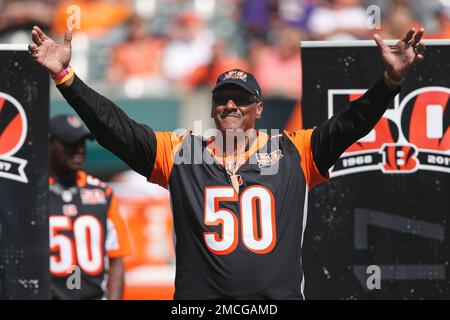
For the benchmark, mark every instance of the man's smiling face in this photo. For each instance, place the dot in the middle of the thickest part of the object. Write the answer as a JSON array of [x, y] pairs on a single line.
[[235, 108]]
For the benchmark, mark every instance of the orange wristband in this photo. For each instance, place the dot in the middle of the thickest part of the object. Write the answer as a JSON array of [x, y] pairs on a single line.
[[69, 74]]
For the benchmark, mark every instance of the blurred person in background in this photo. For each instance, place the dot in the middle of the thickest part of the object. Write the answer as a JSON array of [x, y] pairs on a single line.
[[397, 22], [339, 20], [278, 66], [98, 17], [139, 57], [86, 230], [442, 15], [257, 16], [189, 46], [150, 270], [24, 14], [295, 13], [222, 59], [424, 11], [100, 25]]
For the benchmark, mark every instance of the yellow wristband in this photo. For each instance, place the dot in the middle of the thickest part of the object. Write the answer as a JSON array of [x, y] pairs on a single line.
[[65, 78], [392, 82]]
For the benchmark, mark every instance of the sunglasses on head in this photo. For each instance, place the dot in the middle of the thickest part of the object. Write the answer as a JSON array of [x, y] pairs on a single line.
[[239, 99]]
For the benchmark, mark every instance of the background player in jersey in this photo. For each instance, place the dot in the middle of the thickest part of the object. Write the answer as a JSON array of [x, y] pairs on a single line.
[[238, 229], [86, 229]]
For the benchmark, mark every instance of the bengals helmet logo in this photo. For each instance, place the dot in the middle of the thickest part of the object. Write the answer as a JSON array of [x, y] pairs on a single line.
[[74, 121], [13, 131], [236, 74]]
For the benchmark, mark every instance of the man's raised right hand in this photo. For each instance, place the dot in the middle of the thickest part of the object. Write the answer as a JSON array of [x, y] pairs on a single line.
[[52, 56]]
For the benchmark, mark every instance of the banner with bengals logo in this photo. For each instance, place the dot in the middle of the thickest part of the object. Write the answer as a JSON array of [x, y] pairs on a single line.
[[24, 103], [385, 211]]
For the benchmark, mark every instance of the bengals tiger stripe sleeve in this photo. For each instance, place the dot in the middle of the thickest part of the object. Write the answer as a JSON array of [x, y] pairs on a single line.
[[132, 142], [335, 135], [167, 144], [117, 242], [302, 141]]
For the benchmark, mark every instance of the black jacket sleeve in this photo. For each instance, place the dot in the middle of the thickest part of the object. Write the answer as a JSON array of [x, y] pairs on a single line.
[[339, 132], [134, 143]]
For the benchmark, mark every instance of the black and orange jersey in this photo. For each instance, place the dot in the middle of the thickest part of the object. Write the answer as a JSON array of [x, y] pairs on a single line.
[[229, 244], [86, 230], [244, 244]]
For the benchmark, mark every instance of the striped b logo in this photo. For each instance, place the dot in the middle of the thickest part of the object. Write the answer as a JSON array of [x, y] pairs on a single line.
[[13, 131]]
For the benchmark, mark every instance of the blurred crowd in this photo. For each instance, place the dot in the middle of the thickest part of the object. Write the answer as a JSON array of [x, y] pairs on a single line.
[[160, 47]]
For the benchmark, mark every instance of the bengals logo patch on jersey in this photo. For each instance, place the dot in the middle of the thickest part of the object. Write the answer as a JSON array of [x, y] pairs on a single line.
[[267, 160], [92, 196]]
